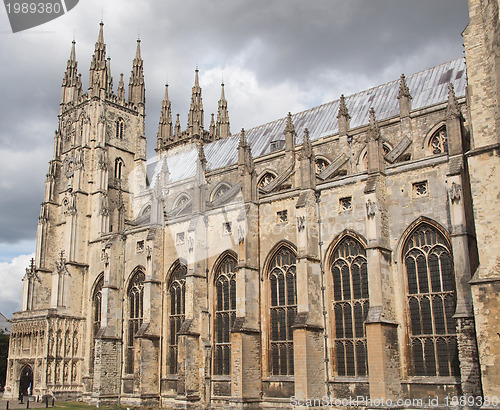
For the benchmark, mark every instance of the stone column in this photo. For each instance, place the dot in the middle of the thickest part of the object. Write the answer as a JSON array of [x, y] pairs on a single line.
[[380, 327], [246, 364]]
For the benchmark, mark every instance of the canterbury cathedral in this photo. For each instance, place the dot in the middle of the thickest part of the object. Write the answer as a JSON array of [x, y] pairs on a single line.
[[349, 251]]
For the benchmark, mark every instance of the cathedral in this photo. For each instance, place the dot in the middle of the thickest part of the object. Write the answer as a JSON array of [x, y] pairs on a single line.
[[346, 252]]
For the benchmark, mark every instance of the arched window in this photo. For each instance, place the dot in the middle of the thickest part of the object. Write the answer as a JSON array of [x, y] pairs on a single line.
[[177, 291], [96, 316], [431, 303], [220, 191], [225, 313], [321, 164], [120, 125], [350, 307], [283, 284], [135, 294], [438, 143], [266, 179], [118, 168]]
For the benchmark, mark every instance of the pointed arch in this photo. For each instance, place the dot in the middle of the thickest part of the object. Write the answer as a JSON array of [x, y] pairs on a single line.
[[176, 305], [266, 177], [220, 189], [431, 299], [224, 280], [426, 141], [281, 269], [333, 244], [349, 303], [119, 166]]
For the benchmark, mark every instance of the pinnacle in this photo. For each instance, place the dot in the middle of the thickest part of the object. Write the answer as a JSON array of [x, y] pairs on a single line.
[[138, 50], [100, 39]]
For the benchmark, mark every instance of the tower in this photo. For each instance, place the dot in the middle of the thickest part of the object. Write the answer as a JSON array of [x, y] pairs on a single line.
[[99, 145]]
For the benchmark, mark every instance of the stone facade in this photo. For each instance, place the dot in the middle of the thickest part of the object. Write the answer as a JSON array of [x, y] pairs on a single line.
[[354, 257]]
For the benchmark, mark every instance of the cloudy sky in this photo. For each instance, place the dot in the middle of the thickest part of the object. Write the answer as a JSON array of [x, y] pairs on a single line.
[[274, 56]]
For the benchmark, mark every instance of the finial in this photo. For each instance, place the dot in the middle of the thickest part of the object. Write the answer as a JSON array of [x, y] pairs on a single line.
[[289, 125], [452, 109], [306, 151], [243, 140], [373, 129], [343, 111], [404, 91]]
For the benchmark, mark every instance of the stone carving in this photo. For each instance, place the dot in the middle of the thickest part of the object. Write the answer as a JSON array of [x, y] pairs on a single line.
[[455, 192], [371, 208], [301, 223]]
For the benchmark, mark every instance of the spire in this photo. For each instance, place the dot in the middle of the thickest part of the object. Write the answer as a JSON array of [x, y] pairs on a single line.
[[245, 159], [452, 109], [70, 79], [373, 128], [404, 98], [289, 134], [195, 116], [222, 130], [177, 131], [98, 70], [289, 125], [121, 90], [109, 88], [307, 151], [164, 135], [212, 127], [404, 91], [343, 116], [136, 88]]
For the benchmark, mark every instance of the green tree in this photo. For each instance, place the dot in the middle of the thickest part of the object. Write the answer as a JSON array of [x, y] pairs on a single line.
[[4, 351]]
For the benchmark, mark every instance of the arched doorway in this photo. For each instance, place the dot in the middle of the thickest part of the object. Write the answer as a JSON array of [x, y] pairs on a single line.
[[26, 381]]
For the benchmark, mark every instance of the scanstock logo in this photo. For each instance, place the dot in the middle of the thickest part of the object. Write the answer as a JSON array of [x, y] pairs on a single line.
[[25, 14]]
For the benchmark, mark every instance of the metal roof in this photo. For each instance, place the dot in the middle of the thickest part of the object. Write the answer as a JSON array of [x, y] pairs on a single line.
[[428, 87]]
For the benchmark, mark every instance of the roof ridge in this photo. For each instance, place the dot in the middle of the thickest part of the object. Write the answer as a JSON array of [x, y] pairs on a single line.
[[353, 95]]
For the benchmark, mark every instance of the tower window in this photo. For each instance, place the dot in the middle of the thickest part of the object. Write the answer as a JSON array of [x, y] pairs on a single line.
[[120, 125], [283, 283], [225, 313], [176, 291], [431, 303], [135, 300], [118, 168], [96, 315], [350, 307]]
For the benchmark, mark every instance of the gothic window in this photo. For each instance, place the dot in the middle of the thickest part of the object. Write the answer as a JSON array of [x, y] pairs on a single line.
[[118, 168], [439, 141], [135, 294], [431, 303], [283, 286], [220, 191], [176, 291], [266, 179], [120, 125], [225, 313], [350, 307], [321, 164]]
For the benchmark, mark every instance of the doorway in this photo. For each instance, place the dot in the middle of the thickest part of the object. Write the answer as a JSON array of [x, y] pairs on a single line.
[[26, 381]]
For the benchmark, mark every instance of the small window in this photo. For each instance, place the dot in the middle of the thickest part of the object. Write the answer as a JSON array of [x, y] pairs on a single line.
[[277, 145], [420, 189], [439, 141], [227, 228], [266, 179], [118, 168], [345, 204], [120, 124], [321, 164], [282, 217], [139, 247], [180, 238]]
